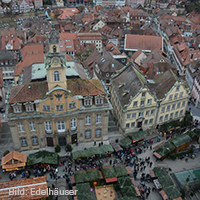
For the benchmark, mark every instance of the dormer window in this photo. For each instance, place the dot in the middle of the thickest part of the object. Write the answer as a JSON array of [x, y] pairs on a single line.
[[99, 101], [72, 105], [56, 76], [29, 108], [88, 102], [17, 109]]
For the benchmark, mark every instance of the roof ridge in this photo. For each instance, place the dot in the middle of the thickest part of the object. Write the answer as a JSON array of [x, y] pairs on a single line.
[[17, 92], [95, 85]]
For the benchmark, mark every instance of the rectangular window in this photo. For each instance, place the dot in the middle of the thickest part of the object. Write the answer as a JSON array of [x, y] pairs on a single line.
[[146, 122], [135, 104], [170, 97], [181, 95], [88, 102], [171, 116], [177, 88], [161, 118], [88, 120], [98, 133], [128, 125], [99, 101], [149, 102], [17, 109], [98, 118], [166, 117], [141, 114], [168, 108], [176, 114], [152, 112], [176, 96], [143, 94], [142, 103], [133, 115], [59, 107], [178, 105], [29, 108], [133, 124], [32, 126], [73, 124], [48, 126], [183, 104], [23, 142], [34, 140], [173, 106], [151, 121], [163, 110], [60, 126], [72, 105], [21, 127], [128, 116], [46, 107], [88, 134], [147, 113], [181, 113]]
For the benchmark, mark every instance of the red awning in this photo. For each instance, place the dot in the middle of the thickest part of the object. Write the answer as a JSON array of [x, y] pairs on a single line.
[[111, 180]]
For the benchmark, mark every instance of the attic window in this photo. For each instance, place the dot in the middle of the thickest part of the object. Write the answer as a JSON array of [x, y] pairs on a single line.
[[113, 65], [121, 85], [125, 93]]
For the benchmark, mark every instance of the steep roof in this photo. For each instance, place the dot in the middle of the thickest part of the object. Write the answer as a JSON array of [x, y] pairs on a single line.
[[143, 42], [85, 87], [127, 84], [28, 92], [6, 55]]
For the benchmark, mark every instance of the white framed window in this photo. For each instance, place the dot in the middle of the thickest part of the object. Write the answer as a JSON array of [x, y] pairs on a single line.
[[173, 106], [147, 113], [29, 108], [168, 108], [151, 121], [152, 112], [178, 105], [98, 118], [34, 140], [146, 122], [128, 125], [133, 124], [21, 127], [98, 133], [143, 94], [171, 116], [133, 115], [88, 120], [141, 114], [176, 96], [23, 142], [162, 109], [17, 109], [181, 95], [183, 104], [88, 102], [128, 116], [181, 113], [72, 105], [46, 107], [32, 126], [60, 126], [161, 118], [176, 114], [170, 97], [177, 88], [149, 102], [48, 126], [56, 76], [166, 117], [142, 103], [59, 107], [73, 124], [135, 104], [99, 101], [88, 134]]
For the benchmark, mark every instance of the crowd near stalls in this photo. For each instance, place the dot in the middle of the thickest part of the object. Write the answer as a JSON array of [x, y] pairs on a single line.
[[165, 184], [108, 183]]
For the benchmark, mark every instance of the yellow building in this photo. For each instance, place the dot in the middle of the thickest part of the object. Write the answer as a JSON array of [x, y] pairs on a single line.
[[141, 103], [57, 111]]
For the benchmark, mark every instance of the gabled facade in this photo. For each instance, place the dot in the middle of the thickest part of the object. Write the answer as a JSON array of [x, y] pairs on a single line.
[[57, 111], [139, 103]]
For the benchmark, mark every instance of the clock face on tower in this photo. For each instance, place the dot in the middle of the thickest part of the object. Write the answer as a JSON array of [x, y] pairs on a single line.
[[55, 61]]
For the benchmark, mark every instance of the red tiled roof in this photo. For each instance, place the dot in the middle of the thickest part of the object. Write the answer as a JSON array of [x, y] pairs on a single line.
[[67, 41], [28, 92], [111, 180], [68, 12], [143, 42], [112, 48], [89, 36]]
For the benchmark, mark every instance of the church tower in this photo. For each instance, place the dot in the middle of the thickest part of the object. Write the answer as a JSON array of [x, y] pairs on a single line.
[[55, 62]]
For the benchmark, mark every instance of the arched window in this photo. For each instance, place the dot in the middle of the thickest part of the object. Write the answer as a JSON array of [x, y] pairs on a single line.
[[56, 76]]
